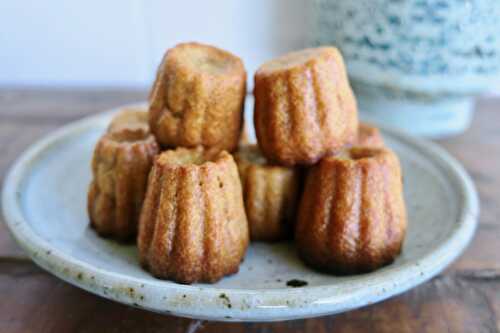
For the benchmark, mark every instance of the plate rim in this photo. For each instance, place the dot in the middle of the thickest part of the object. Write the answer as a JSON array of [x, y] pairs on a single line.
[[236, 305]]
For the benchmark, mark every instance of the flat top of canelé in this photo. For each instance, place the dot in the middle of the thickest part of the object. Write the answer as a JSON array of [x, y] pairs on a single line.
[[251, 153], [297, 58], [131, 115], [128, 135], [205, 58], [187, 156], [358, 153], [129, 118], [366, 129]]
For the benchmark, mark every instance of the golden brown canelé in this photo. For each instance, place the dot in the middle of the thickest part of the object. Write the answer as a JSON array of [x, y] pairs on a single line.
[[198, 98], [369, 136], [193, 226], [244, 138], [120, 167], [304, 106], [352, 216], [270, 193], [131, 118]]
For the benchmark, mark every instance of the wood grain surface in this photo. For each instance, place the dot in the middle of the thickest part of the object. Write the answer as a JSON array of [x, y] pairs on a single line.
[[464, 298]]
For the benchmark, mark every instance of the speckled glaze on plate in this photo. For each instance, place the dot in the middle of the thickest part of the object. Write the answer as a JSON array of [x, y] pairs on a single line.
[[44, 202]]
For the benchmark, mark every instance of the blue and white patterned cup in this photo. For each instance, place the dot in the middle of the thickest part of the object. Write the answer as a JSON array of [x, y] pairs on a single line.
[[415, 64]]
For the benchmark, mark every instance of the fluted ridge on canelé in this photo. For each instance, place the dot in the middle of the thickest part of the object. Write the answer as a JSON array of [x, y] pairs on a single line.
[[193, 225], [270, 193], [198, 98], [352, 216], [120, 167], [304, 106]]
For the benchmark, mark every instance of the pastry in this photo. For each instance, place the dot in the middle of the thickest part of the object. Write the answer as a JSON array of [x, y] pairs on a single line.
[[352, 216], [197, 98], [304, 107], [132, 118], [270, 193], [193, 226], [120, 167], [369, 136], [244, 138]]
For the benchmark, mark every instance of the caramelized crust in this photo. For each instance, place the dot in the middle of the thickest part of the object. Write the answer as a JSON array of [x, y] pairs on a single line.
[[120, 167], [304, 106], [270, 194], [131, 118], [198, 98], [352, 216], [369, 136], [193, 225]]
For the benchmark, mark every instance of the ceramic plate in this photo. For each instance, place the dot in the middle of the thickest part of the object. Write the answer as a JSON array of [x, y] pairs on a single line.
[[44, 201]]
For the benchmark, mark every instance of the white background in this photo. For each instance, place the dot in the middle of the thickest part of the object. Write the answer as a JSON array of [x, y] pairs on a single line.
[[120, 43]]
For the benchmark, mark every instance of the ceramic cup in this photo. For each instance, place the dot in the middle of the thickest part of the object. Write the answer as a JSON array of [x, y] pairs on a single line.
[[415, 64]]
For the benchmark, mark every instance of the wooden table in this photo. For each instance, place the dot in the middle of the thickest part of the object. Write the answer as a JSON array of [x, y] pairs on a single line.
[[464, 298]]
